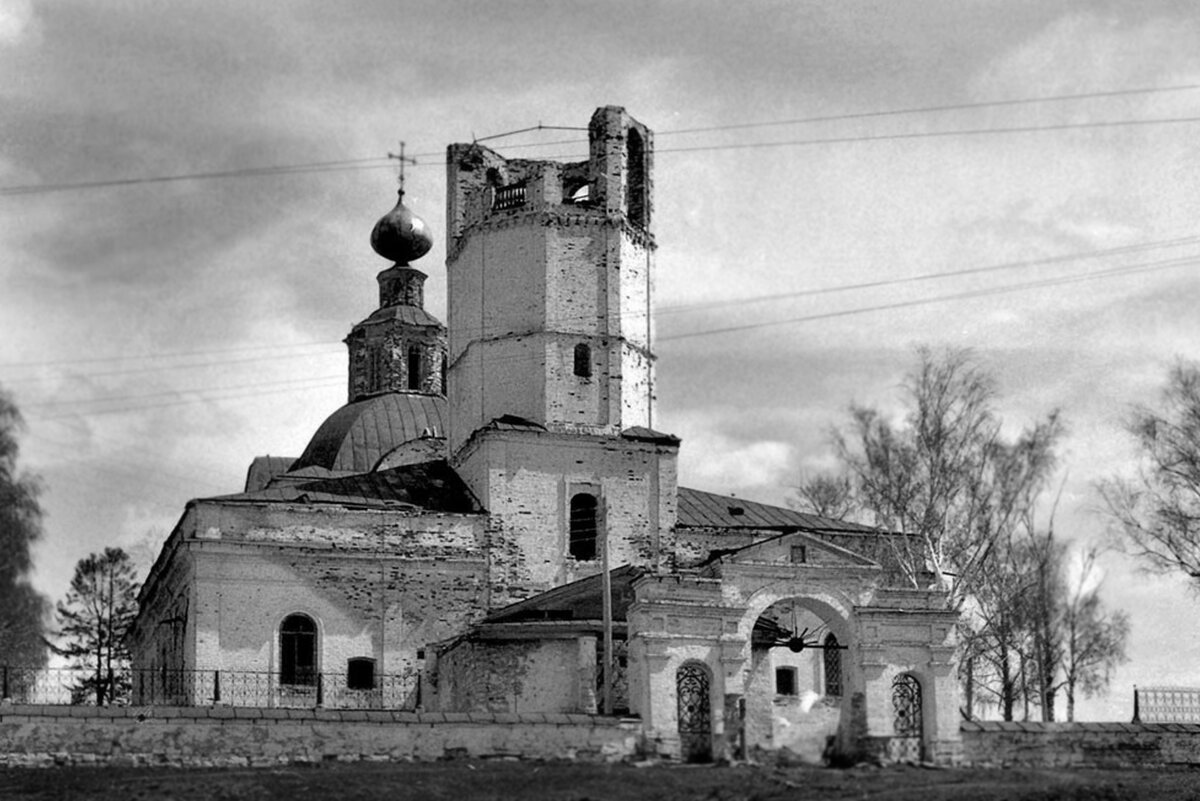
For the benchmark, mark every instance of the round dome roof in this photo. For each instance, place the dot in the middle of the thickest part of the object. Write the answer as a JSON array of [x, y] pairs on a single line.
[[401, 235], [355, 437]]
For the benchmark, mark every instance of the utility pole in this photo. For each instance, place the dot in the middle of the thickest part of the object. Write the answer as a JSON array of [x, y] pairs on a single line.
[[607, 613]]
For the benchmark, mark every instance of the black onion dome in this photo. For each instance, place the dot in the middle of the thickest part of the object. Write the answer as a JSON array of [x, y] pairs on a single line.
[[401, 235]]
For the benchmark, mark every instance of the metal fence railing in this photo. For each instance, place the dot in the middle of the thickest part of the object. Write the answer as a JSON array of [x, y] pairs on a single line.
[[1166, 704], [158, 687]]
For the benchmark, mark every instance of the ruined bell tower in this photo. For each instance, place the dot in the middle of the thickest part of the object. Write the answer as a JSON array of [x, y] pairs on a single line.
[[551, 374], [550, 269]]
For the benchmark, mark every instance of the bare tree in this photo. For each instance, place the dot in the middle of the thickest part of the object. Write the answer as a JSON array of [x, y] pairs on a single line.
[[1158, 511], [22, 609], [1093, 639], [94, 618], [827, 495], [946, 476]]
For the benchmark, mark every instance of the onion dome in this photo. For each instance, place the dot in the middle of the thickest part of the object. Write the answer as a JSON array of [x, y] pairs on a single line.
[[401, 235]]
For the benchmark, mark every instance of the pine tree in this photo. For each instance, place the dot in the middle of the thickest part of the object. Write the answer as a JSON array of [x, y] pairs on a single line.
[[93, 619]]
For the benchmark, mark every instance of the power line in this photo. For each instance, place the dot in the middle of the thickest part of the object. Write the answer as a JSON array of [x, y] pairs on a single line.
[[931, 276], [183, 366], [376, 162], [1116, 271], [177, 392], [183, 402], [836, 140], [169, 354], [1057, 281], [935, 109], [634, 315]]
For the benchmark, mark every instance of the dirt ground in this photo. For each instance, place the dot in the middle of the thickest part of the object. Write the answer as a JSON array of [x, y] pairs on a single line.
[[458, 781]]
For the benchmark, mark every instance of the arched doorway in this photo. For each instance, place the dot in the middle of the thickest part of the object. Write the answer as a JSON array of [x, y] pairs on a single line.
[[692, 685], [907, 716], [798, 684]]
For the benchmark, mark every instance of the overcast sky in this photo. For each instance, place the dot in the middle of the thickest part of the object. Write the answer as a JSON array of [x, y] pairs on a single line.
[[159, 335]]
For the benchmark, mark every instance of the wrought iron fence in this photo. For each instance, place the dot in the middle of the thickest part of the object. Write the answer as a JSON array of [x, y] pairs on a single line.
[[75, 686], [1166, 704]]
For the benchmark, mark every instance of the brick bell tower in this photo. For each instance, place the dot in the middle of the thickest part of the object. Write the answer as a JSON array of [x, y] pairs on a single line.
[[551, 373]]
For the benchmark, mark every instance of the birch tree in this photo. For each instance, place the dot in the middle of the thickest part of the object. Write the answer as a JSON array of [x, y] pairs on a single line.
[[1156, 510], [22, 609], [944, 477]]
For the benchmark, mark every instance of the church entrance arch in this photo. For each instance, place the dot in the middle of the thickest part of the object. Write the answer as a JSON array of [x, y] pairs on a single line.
[[692, 687], [907, 716], [797, 692]]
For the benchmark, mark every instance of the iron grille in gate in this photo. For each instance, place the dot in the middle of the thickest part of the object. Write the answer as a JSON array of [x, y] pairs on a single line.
[[905, 745], [695, 713]]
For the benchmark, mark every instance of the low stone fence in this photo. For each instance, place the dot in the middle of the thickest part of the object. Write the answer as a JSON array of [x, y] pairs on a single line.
[[239, 736], [1108, 745]]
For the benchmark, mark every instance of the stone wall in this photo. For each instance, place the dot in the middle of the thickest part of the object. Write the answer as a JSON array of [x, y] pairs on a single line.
[[1107, 745], [522, 676], [220, 736]]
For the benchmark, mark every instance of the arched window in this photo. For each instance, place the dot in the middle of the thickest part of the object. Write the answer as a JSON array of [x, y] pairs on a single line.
[[833, 666], [375, 369], [583, 361], [635, 179], [583, 527], [414, 367], [298, 650]]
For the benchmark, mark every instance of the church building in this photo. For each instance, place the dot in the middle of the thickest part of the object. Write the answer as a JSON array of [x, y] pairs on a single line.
[[493, 521]]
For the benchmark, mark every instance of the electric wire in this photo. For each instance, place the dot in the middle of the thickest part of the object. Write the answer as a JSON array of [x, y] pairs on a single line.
[[305, 385], [177, 392], [184, 401], [1057, 281], [560, 320], [377, 162]]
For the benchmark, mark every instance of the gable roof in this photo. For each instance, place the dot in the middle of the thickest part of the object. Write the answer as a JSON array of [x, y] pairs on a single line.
[[433, 486], [579, 600], [699, 509], [835, 555]]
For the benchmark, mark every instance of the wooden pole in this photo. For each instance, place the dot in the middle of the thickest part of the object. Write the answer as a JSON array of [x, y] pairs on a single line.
[[606, 585]]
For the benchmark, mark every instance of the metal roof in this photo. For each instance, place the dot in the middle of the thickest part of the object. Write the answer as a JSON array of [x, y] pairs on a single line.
[[265, 468], [432, 486], [403, 313], [643, 434], [356, 436], [579, 600], [708, 510]]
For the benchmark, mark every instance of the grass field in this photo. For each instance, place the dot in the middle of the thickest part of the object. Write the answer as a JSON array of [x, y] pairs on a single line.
[[459, 781]]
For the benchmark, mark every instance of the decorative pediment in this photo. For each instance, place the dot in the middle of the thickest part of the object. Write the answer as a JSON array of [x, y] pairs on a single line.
[[797, 549]]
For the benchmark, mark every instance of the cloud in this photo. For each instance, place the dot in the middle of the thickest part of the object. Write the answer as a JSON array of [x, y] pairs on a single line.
[[16, 21]]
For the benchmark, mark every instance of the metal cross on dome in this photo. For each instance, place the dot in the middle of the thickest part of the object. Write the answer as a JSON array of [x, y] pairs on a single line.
[[403, 159]]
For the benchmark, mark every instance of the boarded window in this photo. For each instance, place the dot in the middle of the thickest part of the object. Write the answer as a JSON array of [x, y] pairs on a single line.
[[360, 674], [583, 527], [785, 681], [833, 666], [298, 650], [414, 367], [583, 361]]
